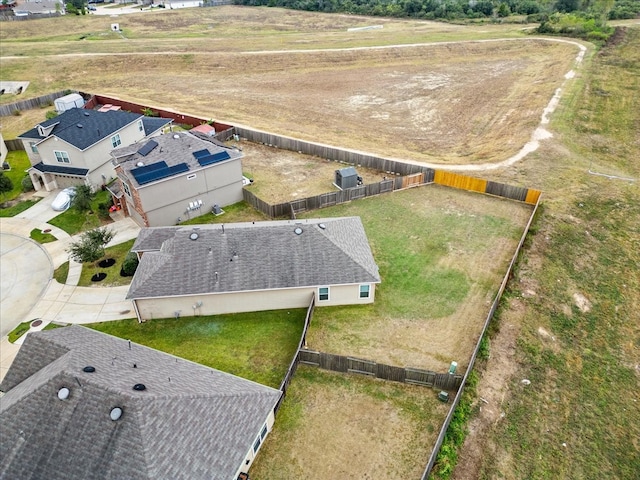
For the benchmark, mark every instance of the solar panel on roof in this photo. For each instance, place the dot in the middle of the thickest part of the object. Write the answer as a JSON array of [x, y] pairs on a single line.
[[154, 175], [147, 147], [201, 153], [215, 158], [148, 168]]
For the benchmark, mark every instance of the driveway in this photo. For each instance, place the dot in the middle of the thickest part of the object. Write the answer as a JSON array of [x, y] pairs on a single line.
[[26, 271]]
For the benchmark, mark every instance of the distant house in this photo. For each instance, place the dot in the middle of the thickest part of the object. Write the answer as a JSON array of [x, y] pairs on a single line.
[[241, 267], [175, 177], [39, 7], [82, 404], [73, 148]]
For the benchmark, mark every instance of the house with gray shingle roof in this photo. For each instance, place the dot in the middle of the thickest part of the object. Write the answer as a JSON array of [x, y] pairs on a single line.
[[83, 404], [243, 267], [74, 147], [174, 177]]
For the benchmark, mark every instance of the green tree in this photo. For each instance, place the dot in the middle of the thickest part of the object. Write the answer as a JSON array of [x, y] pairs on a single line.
[[82, 199], [6, 185], [90, 246], [504, 10]]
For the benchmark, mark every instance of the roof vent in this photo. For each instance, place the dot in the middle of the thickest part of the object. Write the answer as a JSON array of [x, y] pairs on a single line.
[[297, 231], [139, 387], [140, 164], [322, 226], [89, 369], [79, 125], [63, 393], [115, 414], [86, 114], [193, 236], [176, 136]]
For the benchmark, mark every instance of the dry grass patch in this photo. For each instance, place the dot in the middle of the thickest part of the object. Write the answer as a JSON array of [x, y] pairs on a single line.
[[345, 426], [442, 254]]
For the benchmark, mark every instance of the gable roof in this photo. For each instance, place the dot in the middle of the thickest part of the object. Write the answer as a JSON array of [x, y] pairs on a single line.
[[170, 150], [83, 128], [190, 422], [252, 256], [61, 169]]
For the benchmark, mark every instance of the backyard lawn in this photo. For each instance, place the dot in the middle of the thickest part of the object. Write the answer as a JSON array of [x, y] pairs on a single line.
[[257, 346], [442, 254]]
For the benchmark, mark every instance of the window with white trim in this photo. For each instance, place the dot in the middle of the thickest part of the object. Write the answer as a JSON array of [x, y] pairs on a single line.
[[323, 294], [125, 187], [364, 291], [140, 126], [256, 445], [115, 140], [33, 146], [263, 433], [62, 157]]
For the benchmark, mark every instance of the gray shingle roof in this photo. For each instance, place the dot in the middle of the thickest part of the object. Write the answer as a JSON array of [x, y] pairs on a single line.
[[153, 124], [269, 256], [61, 169], [173, 149], [191, 422], [96, 126]]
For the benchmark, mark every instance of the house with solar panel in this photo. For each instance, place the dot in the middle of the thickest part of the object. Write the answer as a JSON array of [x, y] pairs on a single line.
[[175, 177], [74, 147], [81, 404]]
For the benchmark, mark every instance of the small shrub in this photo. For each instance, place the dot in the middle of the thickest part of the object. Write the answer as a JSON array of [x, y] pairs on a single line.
[[103, 208], [130, 264], [51, 114], [16, 113], [27, 184]]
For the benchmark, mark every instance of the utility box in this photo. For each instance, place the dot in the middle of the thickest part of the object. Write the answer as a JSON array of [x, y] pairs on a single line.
[[73, 100], [346, 178], [443, 396]]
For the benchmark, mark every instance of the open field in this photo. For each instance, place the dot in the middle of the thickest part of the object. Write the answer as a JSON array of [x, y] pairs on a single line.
[[442, 254], [346, 426], [450, 103]]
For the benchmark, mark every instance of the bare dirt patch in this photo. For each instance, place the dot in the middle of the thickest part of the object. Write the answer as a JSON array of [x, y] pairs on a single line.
[[346, 426]]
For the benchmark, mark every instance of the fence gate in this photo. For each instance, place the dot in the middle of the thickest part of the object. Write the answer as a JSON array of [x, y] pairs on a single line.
[[328, 199], [413, 180], [299, 205], [365, 367]]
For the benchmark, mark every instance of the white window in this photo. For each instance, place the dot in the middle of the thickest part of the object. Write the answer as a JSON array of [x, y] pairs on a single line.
[[256, 445], [115, 140], [140, 126], [125, 186], [62, 157], [323, 294], [263, 433], [33, 146], [364, 291]]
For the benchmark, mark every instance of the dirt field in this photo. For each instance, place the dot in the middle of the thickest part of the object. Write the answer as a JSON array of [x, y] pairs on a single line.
[[451, 103], [336, 426]]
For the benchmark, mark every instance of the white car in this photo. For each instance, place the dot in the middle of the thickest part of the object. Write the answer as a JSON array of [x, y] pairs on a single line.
[[63, 200]]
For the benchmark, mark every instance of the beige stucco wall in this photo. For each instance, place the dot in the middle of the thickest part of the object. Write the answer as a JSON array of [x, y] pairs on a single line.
[[167, 200], [3, 150], [217, 304]]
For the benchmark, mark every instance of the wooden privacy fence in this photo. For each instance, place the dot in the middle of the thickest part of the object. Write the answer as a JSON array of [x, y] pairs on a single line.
[[30, 103], [293, 366], [14, 145], [345, 364]]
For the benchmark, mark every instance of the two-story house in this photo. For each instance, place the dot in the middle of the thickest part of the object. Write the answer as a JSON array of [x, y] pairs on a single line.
[[175, 177], [74, 147]]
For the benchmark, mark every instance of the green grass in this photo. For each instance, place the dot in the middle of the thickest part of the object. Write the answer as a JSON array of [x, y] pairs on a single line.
[[73, 221], [118, 253], [41, 237], [61, 273], [20, 330], [19, 162], [17, 208], [258, 346], [238, 212]]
